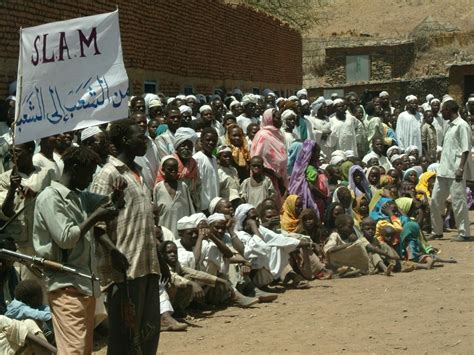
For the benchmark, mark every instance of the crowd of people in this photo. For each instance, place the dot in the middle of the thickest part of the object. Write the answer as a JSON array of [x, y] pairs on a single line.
[[195, 202]]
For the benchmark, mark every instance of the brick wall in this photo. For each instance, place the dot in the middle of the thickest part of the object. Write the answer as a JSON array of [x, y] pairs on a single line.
[[206, 44]]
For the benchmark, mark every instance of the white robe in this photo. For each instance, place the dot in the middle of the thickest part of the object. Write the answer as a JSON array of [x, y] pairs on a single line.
[[149, 164], [409, 130], [343, 136], [243, 122], [270, 252], [316, 128], [208, 172], [440, 125]]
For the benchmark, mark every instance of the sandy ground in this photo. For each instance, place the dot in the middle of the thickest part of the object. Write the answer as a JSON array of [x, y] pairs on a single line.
[[418, 313]]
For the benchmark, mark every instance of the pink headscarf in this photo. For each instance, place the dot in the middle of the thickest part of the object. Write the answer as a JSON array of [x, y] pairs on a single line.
[[269, 144]]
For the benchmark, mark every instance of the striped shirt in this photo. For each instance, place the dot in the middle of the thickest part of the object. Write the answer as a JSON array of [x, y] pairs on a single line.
[[133, 231]]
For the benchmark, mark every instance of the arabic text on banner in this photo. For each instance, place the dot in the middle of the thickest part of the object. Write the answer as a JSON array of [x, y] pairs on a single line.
[[72, 76]]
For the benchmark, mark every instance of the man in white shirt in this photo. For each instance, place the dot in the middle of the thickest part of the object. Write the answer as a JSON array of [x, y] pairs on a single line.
[[450, 178]]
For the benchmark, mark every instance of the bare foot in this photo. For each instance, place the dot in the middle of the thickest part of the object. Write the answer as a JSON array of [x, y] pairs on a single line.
[[430, 263], [389, 270]]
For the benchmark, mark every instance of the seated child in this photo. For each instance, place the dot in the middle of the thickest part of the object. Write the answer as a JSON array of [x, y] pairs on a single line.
[[344, 250], [381, 255], [257, 187], [28, 304]]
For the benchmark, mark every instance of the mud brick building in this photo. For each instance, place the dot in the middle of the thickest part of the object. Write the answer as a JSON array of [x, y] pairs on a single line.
[[175, 46]]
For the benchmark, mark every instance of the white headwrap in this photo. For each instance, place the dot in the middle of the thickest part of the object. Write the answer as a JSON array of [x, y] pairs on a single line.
[[181, 97], [223, 149], [384, 94], [349, 154], [446, 98], [410, 149], [433, 168], [395, 157], [155, 103], [391, 149], [369, 156], [287, 114], [234, 103], [429, 97], [170, 100], [190, 222], [329, 102], [410, 98], [293, 98], [165, 158], [471, 99], [185, 108], [214, 202], [434, 100], [301, 92], [216, 217], [183, 134], [191, 97], [89, 132], [304, 102], [241, 214], [338, 101], [336, 160], [316, 105], [205, 108], [277, 101], [148, 97], [249, 99]]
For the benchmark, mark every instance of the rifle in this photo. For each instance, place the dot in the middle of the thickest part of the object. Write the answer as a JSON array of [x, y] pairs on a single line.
[[43, 263]]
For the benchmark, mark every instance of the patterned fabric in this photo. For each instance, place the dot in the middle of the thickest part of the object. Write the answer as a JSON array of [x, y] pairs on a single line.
[[133, 230]]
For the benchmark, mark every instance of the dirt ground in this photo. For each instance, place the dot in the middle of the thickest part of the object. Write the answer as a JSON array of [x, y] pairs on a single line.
[[420, 312]]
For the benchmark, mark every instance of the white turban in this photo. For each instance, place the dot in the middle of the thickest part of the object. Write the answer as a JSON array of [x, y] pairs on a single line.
[[334, 95], [287, 114], [249, 99], [329, 102], [338, 101], [336, 160], [471, 99], [190, 222], [429, 97], [165, 158], [216, 217], [304, 102], [369, 156], [433, 168], [277, 101], [434, 100], [191, 97], [293, 98], [410, 149], [241, 214], [446, 98], [155, 103], [316, 105], [183, 134], [384, 94], [223, 149], [301, 92], [89, 132], [170, 100], [395, 157], [214, 202], [205, 108], [148, 97], [339, 153], [391, 149], [350, 153], [234, 103], [185, 108], [410, 98], [181, 97]]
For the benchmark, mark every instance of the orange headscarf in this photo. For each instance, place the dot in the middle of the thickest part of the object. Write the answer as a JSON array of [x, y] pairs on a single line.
[[288, 218], [240, 154]]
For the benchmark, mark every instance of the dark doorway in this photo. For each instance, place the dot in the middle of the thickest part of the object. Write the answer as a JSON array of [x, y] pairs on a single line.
[[468, 86]]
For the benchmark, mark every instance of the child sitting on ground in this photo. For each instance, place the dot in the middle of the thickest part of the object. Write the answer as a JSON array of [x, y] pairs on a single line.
[[382, 256], [28, 304], [257, 187]]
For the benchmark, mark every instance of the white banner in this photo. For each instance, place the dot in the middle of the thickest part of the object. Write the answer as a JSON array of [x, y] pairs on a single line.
[[70, 76]]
